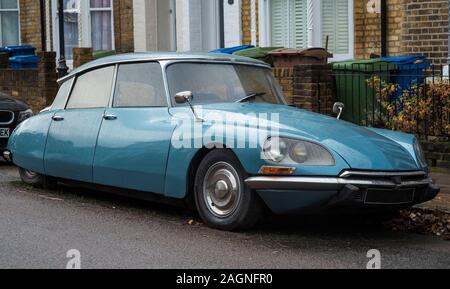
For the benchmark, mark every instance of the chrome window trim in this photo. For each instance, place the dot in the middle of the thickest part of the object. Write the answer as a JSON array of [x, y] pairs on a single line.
[[162, 59], [165, 64], [72, 84], [12, 117], [116, 75], [75, 80]]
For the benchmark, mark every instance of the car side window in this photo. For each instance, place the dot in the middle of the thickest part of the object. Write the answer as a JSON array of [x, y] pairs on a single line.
[[92, 89], [63, 93], [140, 85]]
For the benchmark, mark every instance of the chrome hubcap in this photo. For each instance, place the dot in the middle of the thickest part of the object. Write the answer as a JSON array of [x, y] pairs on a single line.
[[222, 190]]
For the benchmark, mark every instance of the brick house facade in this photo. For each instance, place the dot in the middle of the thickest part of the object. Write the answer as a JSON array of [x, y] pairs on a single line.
[[29, 16], [413, 26]]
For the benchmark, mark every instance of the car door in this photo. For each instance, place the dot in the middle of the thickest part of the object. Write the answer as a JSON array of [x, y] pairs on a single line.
[[134, 138], [74, 130]]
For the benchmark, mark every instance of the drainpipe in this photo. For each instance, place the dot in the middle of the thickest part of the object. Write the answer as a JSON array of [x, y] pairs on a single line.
[[221, 24], [384, 27], [43, 26], [253, 22], [448, 32], [62, 65]]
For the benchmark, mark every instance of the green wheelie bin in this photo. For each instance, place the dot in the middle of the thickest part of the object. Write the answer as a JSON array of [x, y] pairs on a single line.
[[361, 104]]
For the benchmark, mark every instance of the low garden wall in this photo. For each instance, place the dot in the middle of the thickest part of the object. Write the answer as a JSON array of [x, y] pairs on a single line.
[[36, 87]]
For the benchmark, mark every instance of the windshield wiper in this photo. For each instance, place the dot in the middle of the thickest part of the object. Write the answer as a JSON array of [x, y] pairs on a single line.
[[251, 96]]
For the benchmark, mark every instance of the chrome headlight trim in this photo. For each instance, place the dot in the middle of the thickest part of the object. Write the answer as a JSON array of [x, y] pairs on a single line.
[[287, 151]]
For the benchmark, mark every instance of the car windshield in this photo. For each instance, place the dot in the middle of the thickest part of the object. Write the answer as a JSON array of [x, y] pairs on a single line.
[[223, 83]]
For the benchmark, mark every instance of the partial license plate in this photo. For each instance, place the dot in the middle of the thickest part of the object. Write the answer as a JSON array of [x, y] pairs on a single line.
[[389, 197], [4, 132]]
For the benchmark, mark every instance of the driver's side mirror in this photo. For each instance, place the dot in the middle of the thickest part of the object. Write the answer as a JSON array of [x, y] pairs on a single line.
[[184, 97], [338, 108]]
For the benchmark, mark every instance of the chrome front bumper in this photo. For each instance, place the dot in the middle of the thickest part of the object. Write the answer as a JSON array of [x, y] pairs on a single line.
[[354, 187], [355, 178]]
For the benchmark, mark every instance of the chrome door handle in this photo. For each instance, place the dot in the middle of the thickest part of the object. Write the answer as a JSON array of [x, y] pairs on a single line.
[[57, 118], [109, 117]]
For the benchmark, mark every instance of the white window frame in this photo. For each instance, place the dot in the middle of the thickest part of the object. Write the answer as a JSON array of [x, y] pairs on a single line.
[[18, 24], [87, 33], [84, 24], [314, 20]]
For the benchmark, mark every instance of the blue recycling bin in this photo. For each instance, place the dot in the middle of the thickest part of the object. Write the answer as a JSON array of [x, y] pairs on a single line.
[[410, 72], [231, 50], [24, 62], [20, 50]]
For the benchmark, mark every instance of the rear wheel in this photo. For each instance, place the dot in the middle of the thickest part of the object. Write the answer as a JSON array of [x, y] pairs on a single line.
[[221, 197], [36, 180]]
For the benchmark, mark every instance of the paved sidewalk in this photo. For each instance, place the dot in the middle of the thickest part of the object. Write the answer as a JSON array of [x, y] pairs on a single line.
[[442, 201]]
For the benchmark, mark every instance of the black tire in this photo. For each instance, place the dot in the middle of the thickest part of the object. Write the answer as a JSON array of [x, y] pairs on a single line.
[[37, 180], [247, 207]]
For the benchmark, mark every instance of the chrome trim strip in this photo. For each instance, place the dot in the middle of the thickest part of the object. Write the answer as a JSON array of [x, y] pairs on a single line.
[[325, 183], [12, 117], [348, 174]]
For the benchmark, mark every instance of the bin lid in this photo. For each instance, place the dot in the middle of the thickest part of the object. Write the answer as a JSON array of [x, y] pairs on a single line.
[[409, 62], [231, 50], [406, 59], [316, 52], [257, 52], [17, 48], [364, 65], [24, 59]]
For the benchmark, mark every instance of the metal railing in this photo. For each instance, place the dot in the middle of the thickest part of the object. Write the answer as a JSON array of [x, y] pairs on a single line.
[[412, 98]]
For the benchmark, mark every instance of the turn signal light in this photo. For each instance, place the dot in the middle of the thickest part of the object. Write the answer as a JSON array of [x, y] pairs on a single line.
[[269, 170]]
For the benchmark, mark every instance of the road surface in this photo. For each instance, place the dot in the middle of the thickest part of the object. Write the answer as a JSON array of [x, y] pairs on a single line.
[[38, 228]]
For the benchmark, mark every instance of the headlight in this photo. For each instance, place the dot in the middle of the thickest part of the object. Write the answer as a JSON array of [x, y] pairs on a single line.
[[23, 115], [290, 152], [420, 154]]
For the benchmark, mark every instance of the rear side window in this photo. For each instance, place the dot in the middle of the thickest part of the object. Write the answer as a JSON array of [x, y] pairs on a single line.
[[63, 93], [140, 85], [92, 89]]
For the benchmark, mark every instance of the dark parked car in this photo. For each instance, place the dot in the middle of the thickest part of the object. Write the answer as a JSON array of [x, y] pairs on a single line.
[[12, 112]]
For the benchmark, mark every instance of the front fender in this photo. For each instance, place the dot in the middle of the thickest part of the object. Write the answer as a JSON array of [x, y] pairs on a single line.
[[247, 149], [404, 139]]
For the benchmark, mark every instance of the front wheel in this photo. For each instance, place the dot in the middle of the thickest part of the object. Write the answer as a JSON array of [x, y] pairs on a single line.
[[221, 197], [36, 180]]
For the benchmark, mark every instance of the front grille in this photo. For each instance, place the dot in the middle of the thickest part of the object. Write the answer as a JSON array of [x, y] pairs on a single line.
[[389, 196], [6, 117]]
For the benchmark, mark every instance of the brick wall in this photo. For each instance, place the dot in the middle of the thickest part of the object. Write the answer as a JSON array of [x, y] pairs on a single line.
[[30, 25], [437, 153], [368, 33], [425, 29], [285, 77], [82, 55], [36, 87], [314, 88], [414, 27], [123, 25], [309, 87], [247, 22]]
